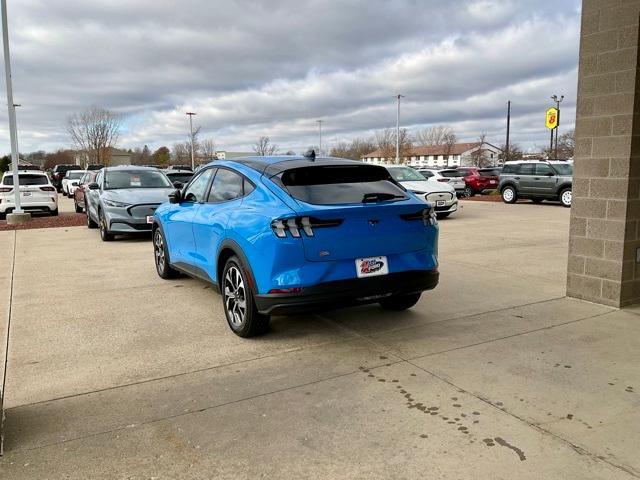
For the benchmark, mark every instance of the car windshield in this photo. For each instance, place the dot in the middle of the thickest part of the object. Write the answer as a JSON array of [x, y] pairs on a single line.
[[563, 168], [27, 180], [74, 175], [117, 179], [406, 174], [340, 184]]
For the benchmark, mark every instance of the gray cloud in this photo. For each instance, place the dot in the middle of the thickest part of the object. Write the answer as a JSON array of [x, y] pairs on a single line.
[[250, 68]]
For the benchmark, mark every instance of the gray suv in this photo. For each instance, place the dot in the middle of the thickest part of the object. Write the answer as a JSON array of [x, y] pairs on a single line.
[[536, 180]]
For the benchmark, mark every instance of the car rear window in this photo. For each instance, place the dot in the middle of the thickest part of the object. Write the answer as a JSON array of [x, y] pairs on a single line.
[[488, 172], [339, 184], [27, 180], [74, 175], [180, 177], [451, 173]]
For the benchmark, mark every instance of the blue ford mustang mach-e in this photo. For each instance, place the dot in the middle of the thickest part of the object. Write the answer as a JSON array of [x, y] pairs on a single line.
[[286, 234]]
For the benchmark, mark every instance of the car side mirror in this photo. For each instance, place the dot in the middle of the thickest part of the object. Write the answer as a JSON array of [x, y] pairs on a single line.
[[93, 186], [178, 185], [175, 196]]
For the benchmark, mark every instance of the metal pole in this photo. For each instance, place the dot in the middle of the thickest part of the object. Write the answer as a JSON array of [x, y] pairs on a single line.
[[320, 132], [506, 156], [13, 134], [398, 129], [193, 161]]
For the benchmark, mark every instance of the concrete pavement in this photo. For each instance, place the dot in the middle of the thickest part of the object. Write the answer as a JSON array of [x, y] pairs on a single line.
[[114, 373]]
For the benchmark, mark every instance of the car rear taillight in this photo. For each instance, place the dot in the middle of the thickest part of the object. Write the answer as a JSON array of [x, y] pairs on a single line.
[[47, 189], [295, 225], [443, 179], [427, 215], [6, 189]]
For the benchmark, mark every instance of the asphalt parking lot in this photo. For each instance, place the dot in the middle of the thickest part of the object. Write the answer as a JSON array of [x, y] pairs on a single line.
[[114, 373]]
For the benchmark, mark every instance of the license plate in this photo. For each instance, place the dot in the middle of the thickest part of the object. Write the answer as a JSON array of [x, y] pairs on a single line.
[[149, 218], [372, 266], [440, 203], [26, 194]]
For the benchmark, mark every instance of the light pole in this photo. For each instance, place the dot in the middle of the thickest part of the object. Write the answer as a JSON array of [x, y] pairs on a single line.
[[193, 160], [398, 96], [17, 215], [507, 152], [558, 101], [320, 134]]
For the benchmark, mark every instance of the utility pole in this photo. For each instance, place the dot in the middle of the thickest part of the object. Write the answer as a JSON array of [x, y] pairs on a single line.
[[17, 216], [320, 133], [558, 101], [193, 160], [508, 151], [398, 96]]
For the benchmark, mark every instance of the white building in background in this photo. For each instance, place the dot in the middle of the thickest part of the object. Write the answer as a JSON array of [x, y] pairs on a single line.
[[458, 154]]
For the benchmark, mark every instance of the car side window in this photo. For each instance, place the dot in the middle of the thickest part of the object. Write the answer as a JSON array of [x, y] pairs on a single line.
[[527, 169], [99, 178], [543, 169], [195, 192], [227, 185], [427, 173]]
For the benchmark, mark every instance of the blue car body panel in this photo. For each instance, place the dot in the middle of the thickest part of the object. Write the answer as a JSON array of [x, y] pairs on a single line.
[[196, 233]]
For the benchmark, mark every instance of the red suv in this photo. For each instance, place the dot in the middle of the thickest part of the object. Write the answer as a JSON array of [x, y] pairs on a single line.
[[477, 180]]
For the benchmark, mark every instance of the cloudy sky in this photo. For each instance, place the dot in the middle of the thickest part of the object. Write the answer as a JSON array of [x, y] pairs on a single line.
[[251, 68]]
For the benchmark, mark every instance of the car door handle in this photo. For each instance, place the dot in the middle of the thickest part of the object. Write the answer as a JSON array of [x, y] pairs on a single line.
[[516, 178]]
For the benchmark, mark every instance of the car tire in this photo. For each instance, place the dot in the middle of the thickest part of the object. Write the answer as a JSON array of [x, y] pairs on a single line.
[[400, 302], [537, 200], [3, 216], [509, 195], [77, 207], [443, 215], [237, 300], [105, 235], [161, 256], [54, 213], [565, 197], [468, 191]]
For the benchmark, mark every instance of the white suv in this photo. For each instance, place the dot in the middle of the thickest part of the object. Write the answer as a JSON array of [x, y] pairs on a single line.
[[36, 193], [70, 181]]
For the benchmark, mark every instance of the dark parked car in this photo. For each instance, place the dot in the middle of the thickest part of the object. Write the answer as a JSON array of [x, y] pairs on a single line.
[[123, 199], [95, 166], [182, 176], [537, 180], [180, 167], [478, 180], [80, 192], [58, 173]]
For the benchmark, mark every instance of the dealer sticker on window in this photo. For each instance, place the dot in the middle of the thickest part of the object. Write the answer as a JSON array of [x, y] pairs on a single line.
[[149, 218], [371, 267]]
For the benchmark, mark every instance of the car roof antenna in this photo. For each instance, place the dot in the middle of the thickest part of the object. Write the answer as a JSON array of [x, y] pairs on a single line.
[[310, 154]]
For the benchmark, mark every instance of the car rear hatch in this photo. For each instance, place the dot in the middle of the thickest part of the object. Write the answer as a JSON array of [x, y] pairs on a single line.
[[353, 211], [33, 188]]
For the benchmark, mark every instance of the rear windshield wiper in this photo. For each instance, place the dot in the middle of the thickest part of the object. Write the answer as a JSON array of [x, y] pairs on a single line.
[[379, 197]]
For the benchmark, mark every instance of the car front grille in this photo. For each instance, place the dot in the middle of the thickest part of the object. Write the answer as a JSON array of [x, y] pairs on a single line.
[[142, 211], [433, 197]]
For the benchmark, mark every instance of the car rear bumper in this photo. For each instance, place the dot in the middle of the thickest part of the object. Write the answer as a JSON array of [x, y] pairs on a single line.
[[344, 293], [7, 205]]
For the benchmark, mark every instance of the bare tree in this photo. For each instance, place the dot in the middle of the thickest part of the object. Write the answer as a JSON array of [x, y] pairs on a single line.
[[386, 143], [263, 147], [566, 147], [479, 156], [355, 150], [208, 150], [181, 153], [95, 131], [438, 135], [514, 153]]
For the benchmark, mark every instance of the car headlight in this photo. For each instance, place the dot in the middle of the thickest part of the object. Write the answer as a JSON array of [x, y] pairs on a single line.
[[113, 203]]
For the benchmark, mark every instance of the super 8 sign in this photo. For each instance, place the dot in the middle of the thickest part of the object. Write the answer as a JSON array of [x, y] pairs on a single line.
[[551, 118]]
